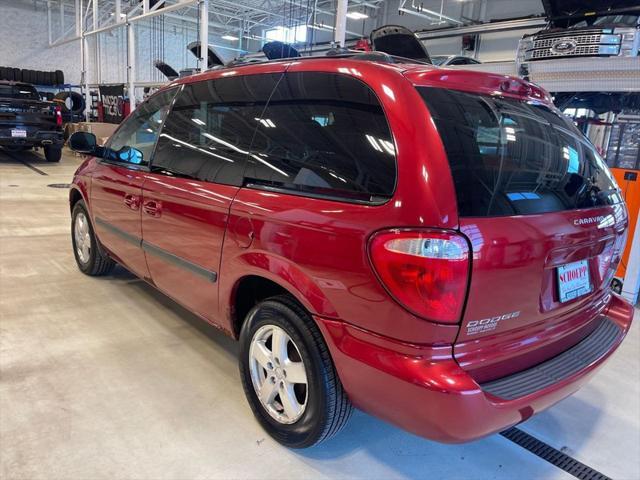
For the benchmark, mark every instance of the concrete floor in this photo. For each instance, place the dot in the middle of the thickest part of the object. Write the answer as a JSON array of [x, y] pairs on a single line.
[[106, 378]]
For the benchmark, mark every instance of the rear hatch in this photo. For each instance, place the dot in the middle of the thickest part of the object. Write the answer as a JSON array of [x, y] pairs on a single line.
[[544, 220], [21, 109]]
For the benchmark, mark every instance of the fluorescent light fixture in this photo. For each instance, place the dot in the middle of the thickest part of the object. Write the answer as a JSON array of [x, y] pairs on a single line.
[[357, 15], [231, 38], [198, 121]]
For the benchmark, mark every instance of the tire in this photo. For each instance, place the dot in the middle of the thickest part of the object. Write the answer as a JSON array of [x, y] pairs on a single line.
[[4, 73], [96, 262], [59, 77], [52, 154], [325, 405], [17, 74], [76, 102]]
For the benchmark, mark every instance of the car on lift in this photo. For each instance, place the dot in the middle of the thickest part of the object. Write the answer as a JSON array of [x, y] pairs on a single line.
[[433, 249], [584, 28], [446, 60], [27, 121]]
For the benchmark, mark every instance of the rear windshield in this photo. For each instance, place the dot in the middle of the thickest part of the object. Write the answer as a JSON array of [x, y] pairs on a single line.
[[510, 157], [18, 91]]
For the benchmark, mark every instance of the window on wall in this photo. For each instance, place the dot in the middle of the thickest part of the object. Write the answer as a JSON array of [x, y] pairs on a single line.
[[207, 135], [324, 134], [287, 34]]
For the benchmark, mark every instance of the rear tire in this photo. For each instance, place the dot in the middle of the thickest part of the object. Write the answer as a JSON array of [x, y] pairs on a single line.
[[90, 257], [322, 407], [52, 154]]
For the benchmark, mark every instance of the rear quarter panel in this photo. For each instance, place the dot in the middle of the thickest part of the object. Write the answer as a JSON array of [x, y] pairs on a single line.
[[317, 249]]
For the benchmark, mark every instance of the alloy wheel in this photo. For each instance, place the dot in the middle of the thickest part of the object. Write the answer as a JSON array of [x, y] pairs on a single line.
[[278, 374]]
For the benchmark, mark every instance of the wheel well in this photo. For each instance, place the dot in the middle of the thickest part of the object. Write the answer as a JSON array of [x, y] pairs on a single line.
[[249, 292], [74, 197]]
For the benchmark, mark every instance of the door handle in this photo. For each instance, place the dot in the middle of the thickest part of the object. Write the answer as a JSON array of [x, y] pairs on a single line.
[[132, 201], [152, 208]]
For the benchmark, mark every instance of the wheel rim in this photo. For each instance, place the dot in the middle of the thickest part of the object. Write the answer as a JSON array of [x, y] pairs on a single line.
[[278, 374], [82, 237]]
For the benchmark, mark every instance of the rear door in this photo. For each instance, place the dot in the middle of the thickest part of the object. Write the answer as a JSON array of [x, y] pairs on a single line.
[[545, 222], [195, 174]]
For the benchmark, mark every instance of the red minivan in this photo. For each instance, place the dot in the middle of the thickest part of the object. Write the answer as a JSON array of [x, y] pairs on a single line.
[[433, 246]]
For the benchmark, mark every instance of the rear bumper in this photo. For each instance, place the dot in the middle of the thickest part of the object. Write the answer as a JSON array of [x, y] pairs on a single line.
[[422, 389], [39, 139]]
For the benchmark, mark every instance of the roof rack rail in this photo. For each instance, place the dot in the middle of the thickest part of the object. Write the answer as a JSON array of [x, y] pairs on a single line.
[[381, 57]]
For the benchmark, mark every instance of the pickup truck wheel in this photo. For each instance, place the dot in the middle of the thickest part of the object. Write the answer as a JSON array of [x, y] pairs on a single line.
[[90, 256], [288, 375], [52, 154]]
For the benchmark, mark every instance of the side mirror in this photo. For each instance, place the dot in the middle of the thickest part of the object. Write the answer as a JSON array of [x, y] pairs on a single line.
[[128, 155], [83, 142]]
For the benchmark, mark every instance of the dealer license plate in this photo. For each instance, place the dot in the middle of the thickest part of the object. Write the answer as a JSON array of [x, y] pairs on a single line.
[[18, 132], [573, 280]]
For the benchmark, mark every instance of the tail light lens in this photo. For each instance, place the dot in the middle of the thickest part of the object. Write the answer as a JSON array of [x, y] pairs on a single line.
[[426, 271], [58, 116]]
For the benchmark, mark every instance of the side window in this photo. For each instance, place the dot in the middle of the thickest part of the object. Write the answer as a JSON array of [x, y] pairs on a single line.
[[208, 133], [324, 134], [134, 141]]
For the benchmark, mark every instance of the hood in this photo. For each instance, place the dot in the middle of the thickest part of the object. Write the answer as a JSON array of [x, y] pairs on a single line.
[[566, 8]]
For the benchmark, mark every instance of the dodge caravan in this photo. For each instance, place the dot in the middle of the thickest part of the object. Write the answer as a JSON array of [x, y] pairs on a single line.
[[431, 246]]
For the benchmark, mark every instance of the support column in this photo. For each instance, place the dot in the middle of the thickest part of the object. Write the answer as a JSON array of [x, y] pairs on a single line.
[[49, 22], [204, 35], [118, 11], [84, 51], [131, 62], [341, 23]]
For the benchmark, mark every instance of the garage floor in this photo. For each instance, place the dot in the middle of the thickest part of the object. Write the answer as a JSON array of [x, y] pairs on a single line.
[[106, 378]]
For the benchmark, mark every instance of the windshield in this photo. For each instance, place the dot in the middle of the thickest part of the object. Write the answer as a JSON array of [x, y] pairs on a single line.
[[19, 91], [439, 59], [618, 20], [510, 157]]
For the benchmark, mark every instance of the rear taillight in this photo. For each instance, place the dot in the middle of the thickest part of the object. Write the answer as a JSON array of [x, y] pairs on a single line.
[[58, 116], [426, 271]]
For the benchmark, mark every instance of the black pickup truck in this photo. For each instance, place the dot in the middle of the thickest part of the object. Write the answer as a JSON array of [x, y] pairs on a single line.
[[28, 122]]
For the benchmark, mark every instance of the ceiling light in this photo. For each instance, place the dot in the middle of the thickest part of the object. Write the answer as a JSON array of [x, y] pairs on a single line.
[[357, 15], [231, 38]]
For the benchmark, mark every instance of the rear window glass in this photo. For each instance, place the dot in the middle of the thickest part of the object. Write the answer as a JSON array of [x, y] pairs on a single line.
[[510, 157], [19, 91]]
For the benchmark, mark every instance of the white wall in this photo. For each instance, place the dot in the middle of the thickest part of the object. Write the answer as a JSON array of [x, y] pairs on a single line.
[[24, 38], [24, 41]]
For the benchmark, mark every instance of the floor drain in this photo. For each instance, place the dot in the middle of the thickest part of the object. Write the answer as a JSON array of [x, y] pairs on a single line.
[[552, 455], [59, 185]]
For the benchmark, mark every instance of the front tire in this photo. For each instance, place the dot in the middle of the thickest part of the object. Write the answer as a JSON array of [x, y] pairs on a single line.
[[90, 257], [52, 154], [283, 356]]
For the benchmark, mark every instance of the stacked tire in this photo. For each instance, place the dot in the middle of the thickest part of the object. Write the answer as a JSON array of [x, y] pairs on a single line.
[[36, 77]]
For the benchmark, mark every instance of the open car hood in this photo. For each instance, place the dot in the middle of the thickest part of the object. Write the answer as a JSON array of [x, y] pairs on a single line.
[[565, 8], [399, 41], [213, 58]]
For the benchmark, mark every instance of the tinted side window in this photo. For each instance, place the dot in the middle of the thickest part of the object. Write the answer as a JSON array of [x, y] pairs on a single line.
[[134, 141], [510, 157], [324, 134], [208, 133]]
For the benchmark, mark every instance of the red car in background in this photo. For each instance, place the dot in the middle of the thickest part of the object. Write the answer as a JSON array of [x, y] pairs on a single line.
[[432, 246]]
